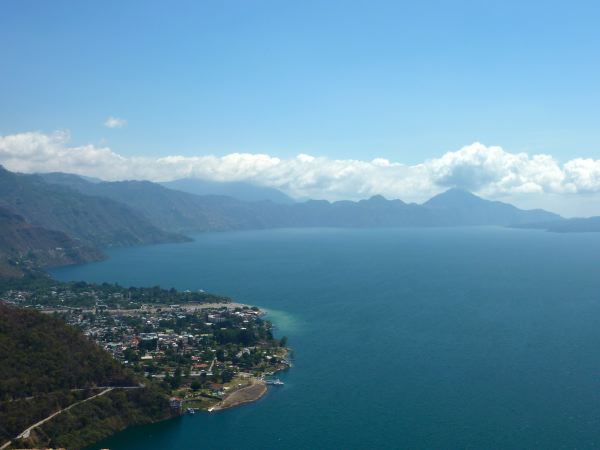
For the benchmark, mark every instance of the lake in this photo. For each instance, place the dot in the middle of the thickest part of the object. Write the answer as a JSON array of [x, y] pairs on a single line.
[[403, 338]]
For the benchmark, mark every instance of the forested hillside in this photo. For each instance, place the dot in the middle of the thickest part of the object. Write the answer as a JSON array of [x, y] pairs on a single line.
[[23, 244], [96, 221], [46, 365], [184, 212]]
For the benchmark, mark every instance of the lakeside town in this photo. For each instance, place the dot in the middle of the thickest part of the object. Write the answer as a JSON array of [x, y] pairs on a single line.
[[209, 352]]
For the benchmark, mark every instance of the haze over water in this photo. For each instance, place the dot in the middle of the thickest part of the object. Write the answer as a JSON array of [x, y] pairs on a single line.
[[403, 338]]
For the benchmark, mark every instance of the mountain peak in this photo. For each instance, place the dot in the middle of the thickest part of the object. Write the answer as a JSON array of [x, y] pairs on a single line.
[[455, 191], [377, 198], [453, 197]]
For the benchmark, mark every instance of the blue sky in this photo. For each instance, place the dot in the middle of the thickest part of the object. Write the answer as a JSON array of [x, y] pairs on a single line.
[[444, 93], [399, 80]]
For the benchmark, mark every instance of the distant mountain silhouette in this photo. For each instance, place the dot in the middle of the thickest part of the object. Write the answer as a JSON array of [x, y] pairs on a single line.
[[460, 207], [179, 211], [61, 218], [238, 190], [169, 209], [23, 244], [93, 220]]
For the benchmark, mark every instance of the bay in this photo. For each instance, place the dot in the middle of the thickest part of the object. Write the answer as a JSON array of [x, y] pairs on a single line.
[[403, 338]]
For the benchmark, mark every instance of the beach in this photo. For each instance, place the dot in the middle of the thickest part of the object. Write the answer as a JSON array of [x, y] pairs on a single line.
[[246, 394]]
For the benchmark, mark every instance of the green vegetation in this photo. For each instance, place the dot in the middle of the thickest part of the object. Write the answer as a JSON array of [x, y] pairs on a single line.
[[95, 420], [24, 246], [199, 351], [39, 290], [145, 344], [44, 346], [93, 221], [46, 365]]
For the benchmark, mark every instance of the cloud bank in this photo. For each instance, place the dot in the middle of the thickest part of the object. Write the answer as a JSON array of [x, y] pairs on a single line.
[[487, 170]]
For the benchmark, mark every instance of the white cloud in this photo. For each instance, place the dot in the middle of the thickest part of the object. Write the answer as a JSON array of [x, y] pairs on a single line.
[[489, 171], [114, 122]]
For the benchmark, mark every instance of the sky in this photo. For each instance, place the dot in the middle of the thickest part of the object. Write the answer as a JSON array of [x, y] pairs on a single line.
[[322, 99]]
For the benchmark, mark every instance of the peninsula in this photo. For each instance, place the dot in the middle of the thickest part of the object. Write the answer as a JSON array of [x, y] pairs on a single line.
[[170, 353]]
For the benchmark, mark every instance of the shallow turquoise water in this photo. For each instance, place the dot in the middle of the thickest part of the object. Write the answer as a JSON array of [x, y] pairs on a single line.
[[429, 338]]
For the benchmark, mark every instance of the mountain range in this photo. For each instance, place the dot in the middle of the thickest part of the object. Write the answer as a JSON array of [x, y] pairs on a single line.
[[38, 246], [94, 220], [93, 214], [242, 191], [185, 212]]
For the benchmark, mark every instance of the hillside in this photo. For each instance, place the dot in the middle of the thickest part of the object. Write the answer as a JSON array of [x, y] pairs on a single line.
[[95, 221], [240, 191], [23, 244], [184, 212], [178, 211], [459, 207], [166, 208], [46, 365]]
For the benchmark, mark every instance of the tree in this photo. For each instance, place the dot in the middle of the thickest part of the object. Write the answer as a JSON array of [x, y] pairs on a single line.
[[176, 380], [227, 375]]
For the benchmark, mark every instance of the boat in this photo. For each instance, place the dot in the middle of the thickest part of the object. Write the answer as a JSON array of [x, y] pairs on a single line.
[[275, 382], [191, 411]]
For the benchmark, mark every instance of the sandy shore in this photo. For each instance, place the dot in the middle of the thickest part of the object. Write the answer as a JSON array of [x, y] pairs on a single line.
[[246, 394]]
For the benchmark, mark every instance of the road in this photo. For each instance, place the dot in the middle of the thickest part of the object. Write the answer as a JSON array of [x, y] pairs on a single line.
[[209, 369], [26, 433]]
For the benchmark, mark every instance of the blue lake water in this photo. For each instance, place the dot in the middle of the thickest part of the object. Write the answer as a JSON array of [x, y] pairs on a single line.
[[403, 338]]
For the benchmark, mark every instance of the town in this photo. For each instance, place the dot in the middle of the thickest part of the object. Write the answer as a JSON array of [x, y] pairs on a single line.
[[208, 352]]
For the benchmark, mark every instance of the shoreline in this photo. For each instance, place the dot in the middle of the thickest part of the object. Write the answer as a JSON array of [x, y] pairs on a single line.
[[247, 394], [153, 307]]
